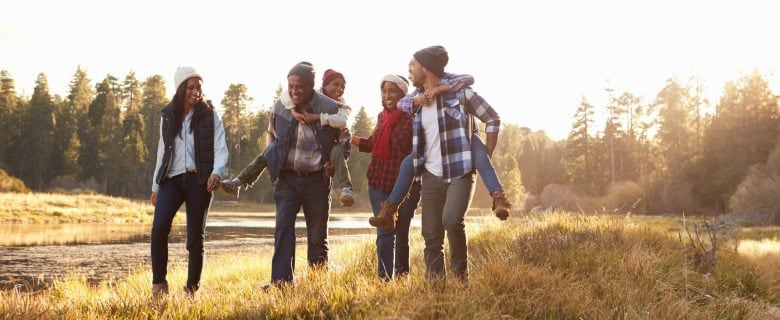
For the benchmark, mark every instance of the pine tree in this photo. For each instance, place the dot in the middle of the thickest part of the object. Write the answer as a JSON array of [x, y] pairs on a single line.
[[236, 121], [70, 115], [10, 123], [627, 166], [743, 132], [578, 160], [104, 135], [37, 136], [675, 136], [358, 161], [133, 153], [154, 101]]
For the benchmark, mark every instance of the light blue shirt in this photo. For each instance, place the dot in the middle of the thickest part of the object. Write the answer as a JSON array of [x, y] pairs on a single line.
[[184, 150]]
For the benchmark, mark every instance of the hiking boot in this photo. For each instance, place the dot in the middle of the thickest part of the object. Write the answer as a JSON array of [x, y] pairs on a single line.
[[501, 206], [347, 198], [189, 293], [231, 186], [159, 290], [388, 214]]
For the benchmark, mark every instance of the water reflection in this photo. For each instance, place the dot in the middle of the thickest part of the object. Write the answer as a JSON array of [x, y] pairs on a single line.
[[217, 228], [63, 234]]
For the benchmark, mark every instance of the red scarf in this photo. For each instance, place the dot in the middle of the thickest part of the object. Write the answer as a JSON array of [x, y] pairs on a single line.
[[381, 149]]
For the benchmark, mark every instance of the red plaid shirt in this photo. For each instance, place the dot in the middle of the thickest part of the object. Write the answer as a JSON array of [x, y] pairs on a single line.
[[383, 173]]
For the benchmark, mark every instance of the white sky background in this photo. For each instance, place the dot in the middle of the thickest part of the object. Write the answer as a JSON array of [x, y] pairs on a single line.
[[533, 61]]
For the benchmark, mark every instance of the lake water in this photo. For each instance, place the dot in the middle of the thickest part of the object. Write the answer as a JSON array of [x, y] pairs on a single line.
[[31, 255]]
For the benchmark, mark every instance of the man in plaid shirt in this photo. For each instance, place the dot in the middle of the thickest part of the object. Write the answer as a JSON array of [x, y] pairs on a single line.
[[442, 129]]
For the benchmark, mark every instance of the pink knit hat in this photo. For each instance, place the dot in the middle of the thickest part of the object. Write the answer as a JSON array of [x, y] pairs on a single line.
[[331, 75]]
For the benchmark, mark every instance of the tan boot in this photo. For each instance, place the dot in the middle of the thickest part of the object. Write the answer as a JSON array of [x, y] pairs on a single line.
[[189, 293], [159, 290], [501, 205], [388, 214]]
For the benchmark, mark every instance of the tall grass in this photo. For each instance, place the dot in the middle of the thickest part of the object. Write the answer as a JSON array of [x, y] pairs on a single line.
[[61, 208], [551, 266]]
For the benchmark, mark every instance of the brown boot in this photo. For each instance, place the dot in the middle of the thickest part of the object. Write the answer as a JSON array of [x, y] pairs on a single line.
[[501, 206], [388, 214], [189, 293], [159, 290]]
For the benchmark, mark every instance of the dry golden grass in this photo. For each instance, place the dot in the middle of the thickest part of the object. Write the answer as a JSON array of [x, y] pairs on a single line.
[[60, 208], [550, 266]]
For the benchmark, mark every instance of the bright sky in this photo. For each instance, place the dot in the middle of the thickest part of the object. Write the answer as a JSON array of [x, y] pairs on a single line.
[[533, 61]]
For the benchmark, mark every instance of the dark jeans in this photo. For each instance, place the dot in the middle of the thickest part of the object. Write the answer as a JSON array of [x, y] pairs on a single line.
[[291, 193], [172, 193], [392, 246]]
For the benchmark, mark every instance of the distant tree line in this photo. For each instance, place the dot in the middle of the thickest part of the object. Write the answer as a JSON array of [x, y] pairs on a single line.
[[671, 154]]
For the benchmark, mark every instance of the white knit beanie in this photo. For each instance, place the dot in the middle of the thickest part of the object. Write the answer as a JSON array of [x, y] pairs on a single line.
[[182, 74], [398, 80]]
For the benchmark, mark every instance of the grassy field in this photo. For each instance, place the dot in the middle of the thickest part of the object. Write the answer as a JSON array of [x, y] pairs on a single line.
[[61, 208], [548, 266]]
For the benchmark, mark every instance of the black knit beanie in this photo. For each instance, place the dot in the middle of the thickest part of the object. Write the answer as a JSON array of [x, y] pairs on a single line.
[[433, 58]]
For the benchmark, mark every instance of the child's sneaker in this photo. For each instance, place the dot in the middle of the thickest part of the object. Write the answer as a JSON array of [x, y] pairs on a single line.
[[346, 197], [231, 187]]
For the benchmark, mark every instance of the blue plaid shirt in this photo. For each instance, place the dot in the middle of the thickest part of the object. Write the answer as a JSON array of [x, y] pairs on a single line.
[[456, 111]]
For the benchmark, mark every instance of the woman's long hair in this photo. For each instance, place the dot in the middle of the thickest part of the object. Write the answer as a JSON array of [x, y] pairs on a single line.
[[178, 107]]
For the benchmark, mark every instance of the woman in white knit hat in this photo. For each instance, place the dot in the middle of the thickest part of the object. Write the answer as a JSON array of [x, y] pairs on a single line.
[[389, 144], [191, 156]]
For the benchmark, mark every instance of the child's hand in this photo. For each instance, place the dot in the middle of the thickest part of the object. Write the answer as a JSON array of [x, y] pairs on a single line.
[[311, 117], [420, 101], [329, 168], [301, 117], [433, 93]]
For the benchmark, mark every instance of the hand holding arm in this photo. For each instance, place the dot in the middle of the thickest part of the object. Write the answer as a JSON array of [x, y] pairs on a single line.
[[311, 117], [299, 116], [213, 183]]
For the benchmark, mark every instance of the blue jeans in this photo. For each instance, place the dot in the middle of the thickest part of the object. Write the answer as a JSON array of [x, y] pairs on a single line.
[[481, 162], [392, 246], [291, 193], [172, 193]]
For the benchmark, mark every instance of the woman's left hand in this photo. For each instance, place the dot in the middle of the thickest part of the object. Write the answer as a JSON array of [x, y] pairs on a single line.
[[213, 183]]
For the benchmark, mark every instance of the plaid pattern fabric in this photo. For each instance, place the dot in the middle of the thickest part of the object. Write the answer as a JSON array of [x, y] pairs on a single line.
[[451, 80], [383, 173], [456, 111], [304, 153]]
